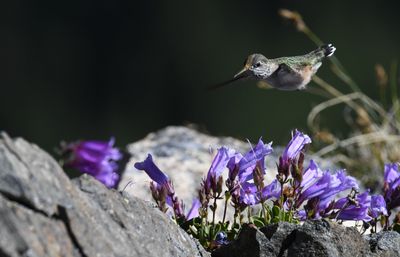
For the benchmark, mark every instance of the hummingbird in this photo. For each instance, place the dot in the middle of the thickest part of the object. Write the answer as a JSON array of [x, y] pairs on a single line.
[[283, 73]]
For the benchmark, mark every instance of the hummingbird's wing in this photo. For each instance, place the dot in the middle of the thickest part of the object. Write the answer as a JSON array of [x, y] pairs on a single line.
[[286, 78], [284, 71]]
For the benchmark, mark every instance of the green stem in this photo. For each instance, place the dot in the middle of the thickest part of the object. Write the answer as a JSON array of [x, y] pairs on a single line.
[[312, 36], [227, 196], [214, 210], [393, 82], [264, 212], [234, 219], [281, 197]]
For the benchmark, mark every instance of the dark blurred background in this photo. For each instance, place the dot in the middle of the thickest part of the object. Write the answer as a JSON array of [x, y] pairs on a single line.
[[93, 69]]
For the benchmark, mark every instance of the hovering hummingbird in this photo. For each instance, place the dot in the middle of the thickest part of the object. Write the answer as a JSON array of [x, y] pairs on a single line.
[[284, 73]]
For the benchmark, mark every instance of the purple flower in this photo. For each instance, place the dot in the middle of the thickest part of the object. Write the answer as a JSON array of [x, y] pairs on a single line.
[[241, 171], [233, 165], [291, 160], [249, 161], [339, 183], [160, 180], [296, 144], [354, 210], [161, 187], [391, 173], [352, 207], [318, 189], [272, 190], [325, 187], [311, 175], [97, 158], [378, 206], [354, 213], [152, 170], [218, 165], [248, 194]]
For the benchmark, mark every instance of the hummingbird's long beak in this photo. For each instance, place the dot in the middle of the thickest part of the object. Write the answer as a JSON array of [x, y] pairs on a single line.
[[244, 73]]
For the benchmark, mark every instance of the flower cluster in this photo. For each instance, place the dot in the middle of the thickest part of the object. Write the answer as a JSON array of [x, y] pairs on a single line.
[[97, 158], [297, 193]]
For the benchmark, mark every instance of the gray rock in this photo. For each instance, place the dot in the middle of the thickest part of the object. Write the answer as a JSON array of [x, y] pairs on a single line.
[[43, 213], [322, 238], [313, 238], [251, 242], [384, 243], [279, 237]]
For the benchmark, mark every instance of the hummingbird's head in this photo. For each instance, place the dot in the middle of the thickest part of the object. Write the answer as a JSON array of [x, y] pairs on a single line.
[[255, 66]]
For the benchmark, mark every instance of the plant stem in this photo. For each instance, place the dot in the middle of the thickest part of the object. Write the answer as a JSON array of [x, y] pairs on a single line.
[[393, 82], [214, 210], [225, 206], [281, 197]]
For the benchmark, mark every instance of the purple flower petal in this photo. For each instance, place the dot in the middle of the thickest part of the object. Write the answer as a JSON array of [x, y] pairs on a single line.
[[378, 206], [325, 187], [109, 179], [194, 210], [295, 145], [339, 182], [248, 194], [317, 188], [311, 175], [349, 211], [272, 190], [354, 213], [391, 172], [152, 170], [251, 158], [392, 186], [218, 165]]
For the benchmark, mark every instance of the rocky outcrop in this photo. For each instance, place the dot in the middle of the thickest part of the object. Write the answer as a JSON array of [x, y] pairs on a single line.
[[44, 213], [313, 238]]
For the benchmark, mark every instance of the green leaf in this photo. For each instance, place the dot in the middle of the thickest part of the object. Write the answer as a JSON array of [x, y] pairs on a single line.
[[275, 211], [258, 221], [275, 220]]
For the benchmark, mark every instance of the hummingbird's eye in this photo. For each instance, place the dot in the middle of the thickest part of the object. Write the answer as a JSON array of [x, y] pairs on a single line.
[[258, 64]]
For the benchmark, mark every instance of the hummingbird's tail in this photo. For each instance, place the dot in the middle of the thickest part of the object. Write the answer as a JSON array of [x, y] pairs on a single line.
[[327, 50], [316, 56]]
